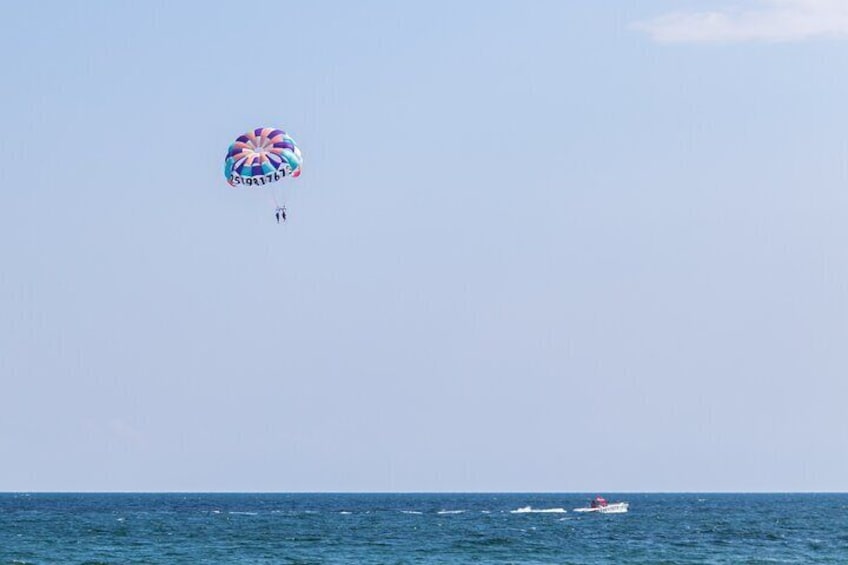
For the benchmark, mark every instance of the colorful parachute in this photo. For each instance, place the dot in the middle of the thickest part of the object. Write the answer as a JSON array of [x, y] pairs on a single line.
[[261, 157]]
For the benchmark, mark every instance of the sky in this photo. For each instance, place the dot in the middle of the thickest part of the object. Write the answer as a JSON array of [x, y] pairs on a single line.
[[556, 246]]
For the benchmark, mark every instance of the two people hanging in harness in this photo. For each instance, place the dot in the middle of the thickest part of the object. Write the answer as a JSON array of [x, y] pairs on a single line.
[[280, 213]]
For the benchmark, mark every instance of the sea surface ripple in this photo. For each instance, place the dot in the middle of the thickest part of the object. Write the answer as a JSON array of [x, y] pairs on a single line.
[[106, 529]]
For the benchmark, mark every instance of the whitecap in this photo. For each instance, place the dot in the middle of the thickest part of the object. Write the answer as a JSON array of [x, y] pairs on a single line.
[[531, 510]]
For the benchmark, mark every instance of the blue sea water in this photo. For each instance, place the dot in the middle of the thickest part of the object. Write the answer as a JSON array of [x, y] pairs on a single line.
[[420, 528]]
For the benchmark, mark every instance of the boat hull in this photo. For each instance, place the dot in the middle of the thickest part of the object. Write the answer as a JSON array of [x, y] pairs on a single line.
[[614, 508]]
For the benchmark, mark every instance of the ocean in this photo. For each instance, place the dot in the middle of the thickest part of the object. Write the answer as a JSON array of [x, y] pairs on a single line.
[[95, 529]]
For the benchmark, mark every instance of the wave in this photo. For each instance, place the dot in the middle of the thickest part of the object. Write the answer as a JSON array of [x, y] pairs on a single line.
[[531, 510], [450, 512]]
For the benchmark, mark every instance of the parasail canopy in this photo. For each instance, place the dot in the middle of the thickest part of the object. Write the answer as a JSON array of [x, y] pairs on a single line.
[[261, 157]]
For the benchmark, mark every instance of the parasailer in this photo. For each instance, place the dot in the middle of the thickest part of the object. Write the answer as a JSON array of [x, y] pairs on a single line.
[[263, 157]]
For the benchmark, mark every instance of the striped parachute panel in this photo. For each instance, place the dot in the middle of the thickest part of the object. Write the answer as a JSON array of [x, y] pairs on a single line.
[[262, 156]]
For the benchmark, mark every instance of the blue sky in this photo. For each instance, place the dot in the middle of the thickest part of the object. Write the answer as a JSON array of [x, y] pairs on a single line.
[[542, 246]]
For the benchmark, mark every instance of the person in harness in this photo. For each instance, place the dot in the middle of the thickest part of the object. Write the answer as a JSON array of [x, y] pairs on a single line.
[[280, 213]]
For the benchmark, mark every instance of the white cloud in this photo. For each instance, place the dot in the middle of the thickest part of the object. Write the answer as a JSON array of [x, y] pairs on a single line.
[[770, 20], [123, 432]]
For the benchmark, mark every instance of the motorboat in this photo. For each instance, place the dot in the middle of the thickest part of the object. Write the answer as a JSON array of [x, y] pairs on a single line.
[[600, 505]]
